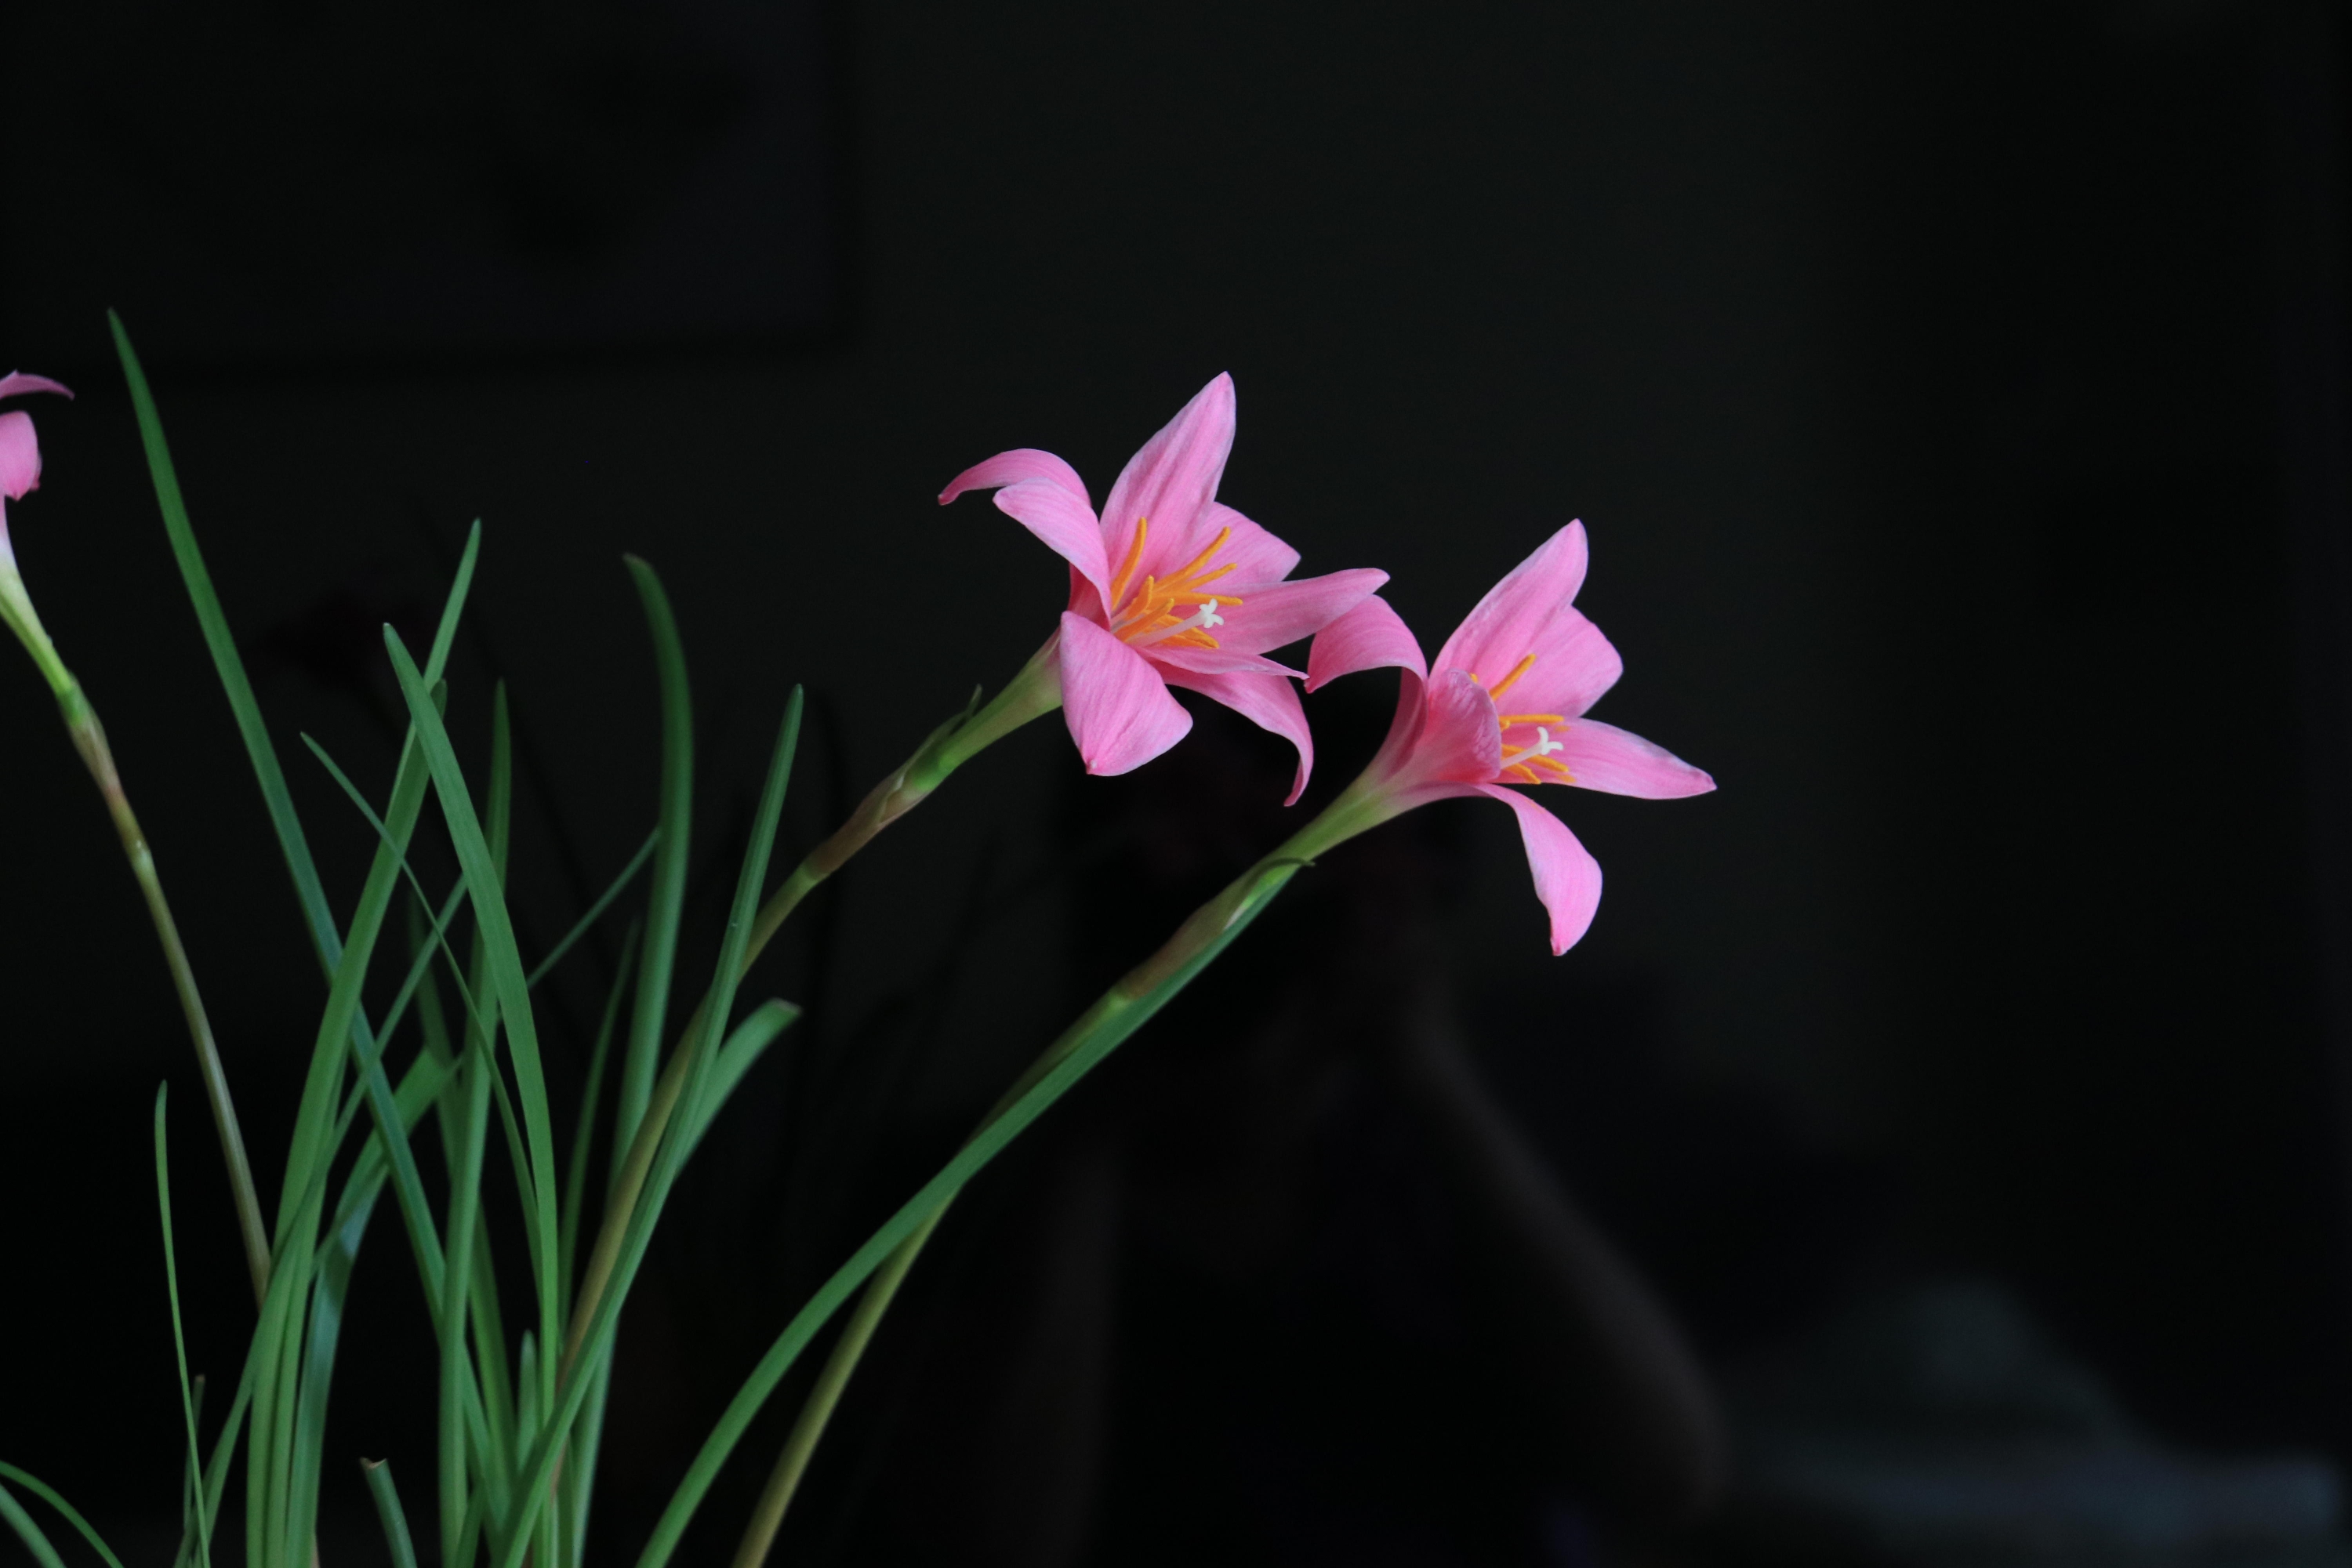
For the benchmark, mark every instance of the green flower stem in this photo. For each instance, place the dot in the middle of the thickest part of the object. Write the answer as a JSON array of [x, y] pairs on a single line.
[[760, 1534], [89, 740], [1035, 691], [1152, 983]]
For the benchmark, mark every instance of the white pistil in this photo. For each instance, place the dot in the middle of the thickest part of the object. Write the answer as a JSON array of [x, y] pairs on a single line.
[[1206, 615], [1514, 756]]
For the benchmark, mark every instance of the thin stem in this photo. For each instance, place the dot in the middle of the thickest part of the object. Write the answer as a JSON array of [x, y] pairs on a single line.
[[89, 740], [1036, 690], [816, 1415], [1198, 936]]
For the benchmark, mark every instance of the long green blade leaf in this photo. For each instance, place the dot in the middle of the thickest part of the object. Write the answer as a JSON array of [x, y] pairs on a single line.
[[680, 1139], [64, 1508], [179, 1334], [1099, 1032]]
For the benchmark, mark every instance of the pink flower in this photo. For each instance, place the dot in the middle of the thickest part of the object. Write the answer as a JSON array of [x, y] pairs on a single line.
[[1506, 706], [1169, 587], [20, 452]]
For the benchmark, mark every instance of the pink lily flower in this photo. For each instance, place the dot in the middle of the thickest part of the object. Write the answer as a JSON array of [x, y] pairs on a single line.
[[20, 451], [1505, 707], [1168, 587]]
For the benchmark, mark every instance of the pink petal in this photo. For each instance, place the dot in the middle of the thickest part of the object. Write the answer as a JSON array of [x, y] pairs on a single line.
[[1459, 741], [20, 456], [1166, 656], [1567, 878], [1269, 701], [1508, 622], [1118, 707], [1010, 468], [1574, 666], [1171, 482], [1366, 638], [15, 384], [1618, 761], [1063, 521], [1256, 555], [1276, 615]]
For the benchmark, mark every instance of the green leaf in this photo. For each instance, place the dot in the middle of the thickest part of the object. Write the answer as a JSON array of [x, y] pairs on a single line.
[[680, 1142], [575, 1181], [1097, 1032], [665, 896], [29, 1532], [620, 883], [508, 982], [63, 1507], [387, 1507], [179, 1335]]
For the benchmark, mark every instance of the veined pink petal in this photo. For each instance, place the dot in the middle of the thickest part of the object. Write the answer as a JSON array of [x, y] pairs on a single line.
[[1117, 705], [1574, 666], [1171, 482], [1618, 761], [1508, 623], [1366, 638], [1166, 656], [1269, 701], [20, 456], [1567, 878], [1255, 555], [1459, 741], [1063, 521], [1275, 615], [1010, 468]]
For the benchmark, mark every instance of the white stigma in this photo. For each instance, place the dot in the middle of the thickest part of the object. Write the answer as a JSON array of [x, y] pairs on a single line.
[[1545, 745], [1209, 616]]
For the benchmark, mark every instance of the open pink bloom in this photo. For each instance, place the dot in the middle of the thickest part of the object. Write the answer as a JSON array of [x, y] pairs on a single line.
[[1168, 587], [1506, 706], [20, 453]]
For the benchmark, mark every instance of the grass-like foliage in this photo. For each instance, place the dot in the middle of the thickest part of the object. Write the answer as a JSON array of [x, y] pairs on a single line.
[[522, 1397], [519, 1388]]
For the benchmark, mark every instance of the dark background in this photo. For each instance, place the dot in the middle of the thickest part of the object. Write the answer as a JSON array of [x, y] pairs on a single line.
[[1952, 395]]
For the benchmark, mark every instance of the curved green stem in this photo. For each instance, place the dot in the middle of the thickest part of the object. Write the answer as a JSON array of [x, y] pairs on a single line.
[[1036, 690], [89, 741]]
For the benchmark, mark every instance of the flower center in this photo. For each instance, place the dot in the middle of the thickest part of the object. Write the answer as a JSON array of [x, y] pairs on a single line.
[[1521, 761], [1171, 609]]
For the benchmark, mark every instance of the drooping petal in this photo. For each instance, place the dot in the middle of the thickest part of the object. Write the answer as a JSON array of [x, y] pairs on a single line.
[[1618, 761], [1010, 468], [15, 384], [1171, 480], [1063, 522], [1255, 555], [1117, 705], [1508, 622], [1275, 615], [20, 456], [1367, 637], [1269, 701], [1567, 878]]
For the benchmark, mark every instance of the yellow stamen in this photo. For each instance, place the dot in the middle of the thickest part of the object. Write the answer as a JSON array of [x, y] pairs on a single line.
[[1127, 567], [1202, 559], [1526, 773], [1512, 679], [1511, 721], [1548, 764]]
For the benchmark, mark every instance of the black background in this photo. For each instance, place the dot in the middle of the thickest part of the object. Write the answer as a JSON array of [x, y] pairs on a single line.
[[1950, 394]]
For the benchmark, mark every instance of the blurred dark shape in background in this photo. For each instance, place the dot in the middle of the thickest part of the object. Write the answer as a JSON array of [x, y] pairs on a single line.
[[1954, 395]]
